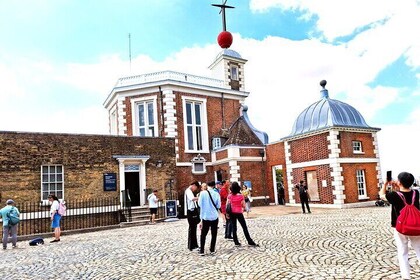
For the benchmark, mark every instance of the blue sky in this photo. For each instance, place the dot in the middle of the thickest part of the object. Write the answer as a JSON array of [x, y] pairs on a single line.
[[60, 59]]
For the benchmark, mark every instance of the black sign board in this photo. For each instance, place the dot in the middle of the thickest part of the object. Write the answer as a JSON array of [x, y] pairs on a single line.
[[110, 181], [170, 208]]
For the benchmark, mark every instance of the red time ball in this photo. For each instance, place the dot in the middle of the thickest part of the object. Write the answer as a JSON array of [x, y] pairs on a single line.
[[225, 39]]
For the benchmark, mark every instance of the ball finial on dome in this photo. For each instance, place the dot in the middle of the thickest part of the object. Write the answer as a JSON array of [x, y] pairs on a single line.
[[225, 39], [323, 83]]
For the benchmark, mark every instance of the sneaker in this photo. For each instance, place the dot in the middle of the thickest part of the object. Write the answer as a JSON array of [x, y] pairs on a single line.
[[14, 246], [254, 244], [202, 254], [237, 244], [4, 248], [197, 249], [212, 253]]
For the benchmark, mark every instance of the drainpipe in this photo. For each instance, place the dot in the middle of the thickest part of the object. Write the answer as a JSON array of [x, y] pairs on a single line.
[[161, 113]]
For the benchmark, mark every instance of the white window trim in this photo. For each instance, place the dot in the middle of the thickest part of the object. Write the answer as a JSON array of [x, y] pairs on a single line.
[[364, 184], [135, 115], [44, 201], [237, 73], [196, 160], [205, 140], [113, 123], [361, 147]]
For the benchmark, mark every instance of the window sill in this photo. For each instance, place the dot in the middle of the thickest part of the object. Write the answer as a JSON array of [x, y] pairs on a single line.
[[358, 153], [364, 198]]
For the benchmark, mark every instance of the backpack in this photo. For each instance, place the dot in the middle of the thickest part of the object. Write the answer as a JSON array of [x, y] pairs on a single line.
[[13, 216], [408, 222], [61, 209]]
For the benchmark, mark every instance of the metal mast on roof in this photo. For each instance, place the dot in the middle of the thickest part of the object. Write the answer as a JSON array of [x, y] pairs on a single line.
[[129, 48], [223, 7]]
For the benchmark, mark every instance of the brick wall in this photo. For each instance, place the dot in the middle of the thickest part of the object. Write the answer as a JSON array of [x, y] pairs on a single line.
[[346, 144], [85, 158], [323, 172], [311, 148], [350, 183]]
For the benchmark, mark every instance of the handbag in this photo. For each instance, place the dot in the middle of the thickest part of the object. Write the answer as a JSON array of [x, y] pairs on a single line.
[[228, 208], [196, 214]]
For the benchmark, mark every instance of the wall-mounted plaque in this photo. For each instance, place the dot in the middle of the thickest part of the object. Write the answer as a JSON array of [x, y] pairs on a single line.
[[110, 182]]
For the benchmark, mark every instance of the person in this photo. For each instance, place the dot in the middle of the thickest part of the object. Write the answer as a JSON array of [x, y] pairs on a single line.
[[192, 213], [237, 203], [55, 217], [247, 197], [224, 192], [153, 205], [209, 202], [282, 200], [403, 184], [9, 229], [304, 196]]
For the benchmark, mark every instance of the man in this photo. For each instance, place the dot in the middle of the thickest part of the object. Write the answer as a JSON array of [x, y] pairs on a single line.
[[304, 196], [192, 215], [209, 203], [403, 185], [8, 228], [153, 205]]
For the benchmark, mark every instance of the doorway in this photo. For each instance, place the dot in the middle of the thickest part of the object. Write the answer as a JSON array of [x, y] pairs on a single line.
[[278, 186], [132, 186], [312, 183]]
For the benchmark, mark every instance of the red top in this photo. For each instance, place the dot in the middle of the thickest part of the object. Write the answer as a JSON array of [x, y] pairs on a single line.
[[236, 202], [223, 199]]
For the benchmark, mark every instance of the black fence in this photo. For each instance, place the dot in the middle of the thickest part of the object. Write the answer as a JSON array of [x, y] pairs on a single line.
[[80, 214]]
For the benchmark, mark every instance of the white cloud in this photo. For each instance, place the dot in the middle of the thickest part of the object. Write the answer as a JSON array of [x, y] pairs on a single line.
[[282, 75]]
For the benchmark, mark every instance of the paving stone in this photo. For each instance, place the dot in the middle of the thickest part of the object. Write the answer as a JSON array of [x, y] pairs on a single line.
[[328, 244]]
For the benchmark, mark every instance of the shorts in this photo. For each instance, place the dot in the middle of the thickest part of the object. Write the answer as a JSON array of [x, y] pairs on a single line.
[[56, 221], [153, 210]]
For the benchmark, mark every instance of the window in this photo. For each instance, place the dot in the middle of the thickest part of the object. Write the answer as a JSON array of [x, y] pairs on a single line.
[[357, 147], [144, 116], [195, 125], [216, 143], [113, 122], [234, 73], [198, 166], [146, 120], [52, 181], [361, 183]]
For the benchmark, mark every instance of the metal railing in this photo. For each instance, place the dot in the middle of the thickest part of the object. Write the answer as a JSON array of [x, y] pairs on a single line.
[[80, 214]]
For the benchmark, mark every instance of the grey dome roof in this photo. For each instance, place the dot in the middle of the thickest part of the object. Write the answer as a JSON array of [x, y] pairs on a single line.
[[228, 52], [327, 113]]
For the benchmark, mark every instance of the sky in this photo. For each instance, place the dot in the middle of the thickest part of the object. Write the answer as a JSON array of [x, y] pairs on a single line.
[[59, 59]]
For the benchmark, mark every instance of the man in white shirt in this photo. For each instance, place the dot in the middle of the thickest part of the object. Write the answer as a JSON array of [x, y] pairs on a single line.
[[153, 205], [192, 215]]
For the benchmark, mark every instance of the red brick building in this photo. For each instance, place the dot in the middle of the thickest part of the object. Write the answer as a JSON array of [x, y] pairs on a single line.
[[214, 139], [333, 150], [331, 147]]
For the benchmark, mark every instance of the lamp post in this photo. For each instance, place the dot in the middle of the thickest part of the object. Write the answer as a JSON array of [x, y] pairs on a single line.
[[262, 153]]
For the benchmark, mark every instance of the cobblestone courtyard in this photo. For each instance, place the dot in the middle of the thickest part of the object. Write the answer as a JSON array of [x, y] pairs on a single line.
[[328, 244]]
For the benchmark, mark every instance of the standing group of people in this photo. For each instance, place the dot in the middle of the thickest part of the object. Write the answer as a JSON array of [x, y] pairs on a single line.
[[10, 229], [203, 211]]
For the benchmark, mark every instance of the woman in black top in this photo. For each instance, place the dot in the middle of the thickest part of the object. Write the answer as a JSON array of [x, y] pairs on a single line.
[[403, 185]]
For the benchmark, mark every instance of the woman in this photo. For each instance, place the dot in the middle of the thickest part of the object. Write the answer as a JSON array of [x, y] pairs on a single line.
[[55, 217], [237, 202], [246, 193]]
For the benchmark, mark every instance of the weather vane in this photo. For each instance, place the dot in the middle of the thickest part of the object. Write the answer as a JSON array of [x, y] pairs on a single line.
[[222, 10], [225, 38]]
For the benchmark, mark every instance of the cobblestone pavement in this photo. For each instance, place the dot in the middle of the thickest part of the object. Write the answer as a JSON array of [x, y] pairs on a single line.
[[328, 244]]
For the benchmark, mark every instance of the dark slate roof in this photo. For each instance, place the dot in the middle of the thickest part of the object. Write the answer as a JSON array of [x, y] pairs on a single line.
[[327, 113], [243, 133]]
